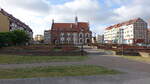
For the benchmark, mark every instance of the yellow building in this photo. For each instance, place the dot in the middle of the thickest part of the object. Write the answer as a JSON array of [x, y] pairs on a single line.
[[9, 23], [4, 23], [39, 38]]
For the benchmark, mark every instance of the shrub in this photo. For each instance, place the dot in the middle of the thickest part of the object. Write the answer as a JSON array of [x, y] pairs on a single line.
[[16, 37]]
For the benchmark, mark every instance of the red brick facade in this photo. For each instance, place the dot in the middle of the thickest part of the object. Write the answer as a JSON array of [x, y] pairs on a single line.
[[71, 33]]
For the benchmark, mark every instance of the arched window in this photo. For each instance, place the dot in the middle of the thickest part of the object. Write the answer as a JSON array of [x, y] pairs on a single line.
[[81, 35], [87, 35], [62, 34]]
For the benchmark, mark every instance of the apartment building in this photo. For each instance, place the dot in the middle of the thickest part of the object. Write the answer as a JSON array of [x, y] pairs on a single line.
[[148, 35], [130, 32], [47, 36], [100, 38], [9, 23], [71, 33]]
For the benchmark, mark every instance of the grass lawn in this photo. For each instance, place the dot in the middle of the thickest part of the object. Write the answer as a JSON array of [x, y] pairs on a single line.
[[55, 71], [138, 58], [16, 59]]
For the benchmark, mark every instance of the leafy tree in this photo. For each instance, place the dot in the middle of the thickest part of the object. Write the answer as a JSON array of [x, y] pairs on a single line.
[[20, 37], [6, 38], [16, 37]]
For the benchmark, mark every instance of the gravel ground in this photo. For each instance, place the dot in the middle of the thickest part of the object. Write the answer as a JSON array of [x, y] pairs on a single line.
[[135, 72]]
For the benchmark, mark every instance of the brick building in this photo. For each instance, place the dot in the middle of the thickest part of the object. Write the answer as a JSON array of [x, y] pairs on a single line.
[[71, 33], [130, 32]]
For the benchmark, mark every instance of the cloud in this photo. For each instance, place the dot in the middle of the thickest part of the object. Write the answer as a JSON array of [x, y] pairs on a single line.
[[38, 6], [82, 8], [138, 8], [39, 13], [86, 10]]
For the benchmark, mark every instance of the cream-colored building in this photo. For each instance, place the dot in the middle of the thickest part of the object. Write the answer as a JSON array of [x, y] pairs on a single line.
[[10, 23], [129, 32], [39, 38], [4, 23]]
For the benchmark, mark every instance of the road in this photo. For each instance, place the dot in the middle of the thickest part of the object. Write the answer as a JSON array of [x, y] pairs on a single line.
[[135, 72]]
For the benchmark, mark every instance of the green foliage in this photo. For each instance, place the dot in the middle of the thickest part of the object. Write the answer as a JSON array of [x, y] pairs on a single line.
[[6, 38], [16, 37], [20, 37]]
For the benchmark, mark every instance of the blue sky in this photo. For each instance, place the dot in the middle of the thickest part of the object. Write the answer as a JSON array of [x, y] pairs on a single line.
[[38, 14]]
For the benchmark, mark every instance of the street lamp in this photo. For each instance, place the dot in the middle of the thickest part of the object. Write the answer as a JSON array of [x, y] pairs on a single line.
[[122, 39]]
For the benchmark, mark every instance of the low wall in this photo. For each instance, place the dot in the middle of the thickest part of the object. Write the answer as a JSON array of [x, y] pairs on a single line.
[[113, 52], [144, 54]]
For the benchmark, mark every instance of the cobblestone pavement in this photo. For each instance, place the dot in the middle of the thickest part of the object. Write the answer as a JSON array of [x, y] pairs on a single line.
[[136, 72]]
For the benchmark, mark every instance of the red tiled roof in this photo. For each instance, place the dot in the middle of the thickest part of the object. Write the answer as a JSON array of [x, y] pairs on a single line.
[[70, 26], [123, 23]]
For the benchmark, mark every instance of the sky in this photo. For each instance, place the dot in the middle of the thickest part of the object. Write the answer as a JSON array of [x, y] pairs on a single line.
[[38, 14]]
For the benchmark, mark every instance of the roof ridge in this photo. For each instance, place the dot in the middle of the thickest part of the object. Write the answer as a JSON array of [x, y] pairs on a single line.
[[124, 23]]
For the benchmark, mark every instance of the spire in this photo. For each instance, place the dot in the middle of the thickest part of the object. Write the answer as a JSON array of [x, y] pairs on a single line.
[[53, 21], [76, 19]]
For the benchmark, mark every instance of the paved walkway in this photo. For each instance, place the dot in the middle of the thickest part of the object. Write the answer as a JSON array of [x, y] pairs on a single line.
[[136, 72]]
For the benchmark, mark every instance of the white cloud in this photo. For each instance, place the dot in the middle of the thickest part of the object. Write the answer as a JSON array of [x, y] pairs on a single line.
[[30, 5], [138, 8], [39, 13]]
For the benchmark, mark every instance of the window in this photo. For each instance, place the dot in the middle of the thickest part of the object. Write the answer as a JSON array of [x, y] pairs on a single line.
[[68, 34], [81, 35], [62, 35], [81, 41], [87, 35]]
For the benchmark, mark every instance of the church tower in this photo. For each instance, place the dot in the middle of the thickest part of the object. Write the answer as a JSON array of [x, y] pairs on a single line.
[[76, 19]]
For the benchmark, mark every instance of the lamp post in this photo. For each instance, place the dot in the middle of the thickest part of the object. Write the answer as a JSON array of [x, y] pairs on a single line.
[[122, 40], [82, 50]]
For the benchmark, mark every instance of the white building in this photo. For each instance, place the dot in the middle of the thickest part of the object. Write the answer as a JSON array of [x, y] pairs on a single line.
[[100, 38], [47, 36], [129, 32], [149, 36]]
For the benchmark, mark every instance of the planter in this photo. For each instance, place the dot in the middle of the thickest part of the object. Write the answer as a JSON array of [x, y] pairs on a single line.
[[144, 54]]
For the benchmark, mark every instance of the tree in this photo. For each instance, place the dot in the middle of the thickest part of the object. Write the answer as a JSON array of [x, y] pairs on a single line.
[[20, 37], [16, 37], [6, 38]]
